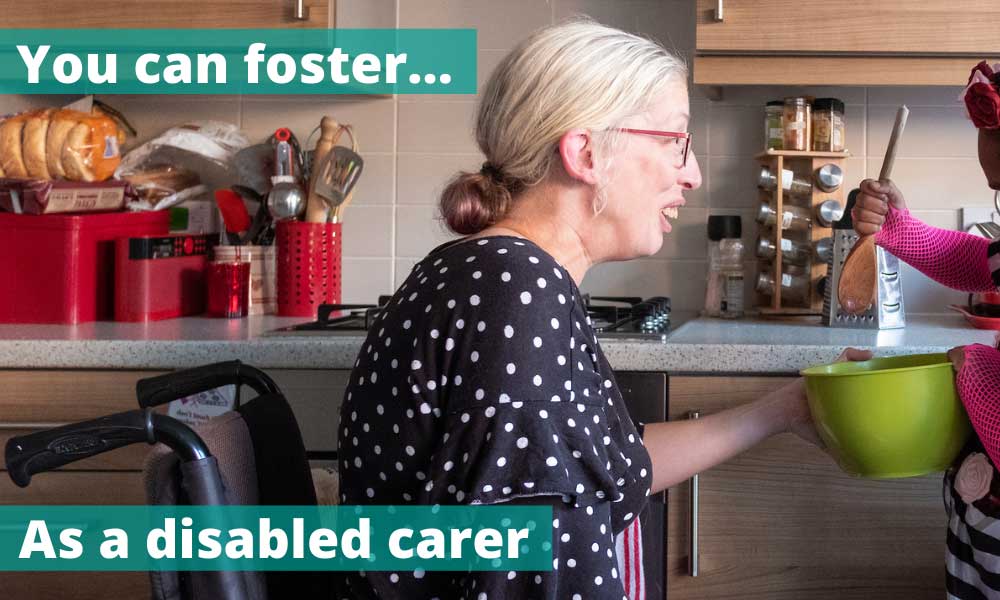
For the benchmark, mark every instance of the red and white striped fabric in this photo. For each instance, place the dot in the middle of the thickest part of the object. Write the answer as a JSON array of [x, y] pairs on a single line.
[[628, 547]]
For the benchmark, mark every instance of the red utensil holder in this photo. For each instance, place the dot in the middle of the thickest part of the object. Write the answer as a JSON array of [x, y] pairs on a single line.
[[308, 265]]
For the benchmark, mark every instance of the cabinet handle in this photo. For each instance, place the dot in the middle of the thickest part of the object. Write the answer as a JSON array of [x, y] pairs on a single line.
[[717, 14], [302, 11], [693, 512]]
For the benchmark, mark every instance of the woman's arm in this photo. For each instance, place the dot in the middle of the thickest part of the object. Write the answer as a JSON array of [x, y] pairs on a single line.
[[680, 449]]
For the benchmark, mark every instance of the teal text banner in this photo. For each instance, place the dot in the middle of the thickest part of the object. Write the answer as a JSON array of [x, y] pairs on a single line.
[[237, 61], [275, 538]]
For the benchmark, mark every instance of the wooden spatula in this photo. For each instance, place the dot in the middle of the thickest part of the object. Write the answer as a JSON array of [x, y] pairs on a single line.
[[858, 285]]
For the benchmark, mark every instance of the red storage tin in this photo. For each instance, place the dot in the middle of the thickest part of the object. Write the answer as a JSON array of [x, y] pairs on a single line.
[[60, 268]]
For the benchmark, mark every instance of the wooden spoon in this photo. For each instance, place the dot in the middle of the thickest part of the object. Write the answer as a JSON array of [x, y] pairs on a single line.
[[858, 285]]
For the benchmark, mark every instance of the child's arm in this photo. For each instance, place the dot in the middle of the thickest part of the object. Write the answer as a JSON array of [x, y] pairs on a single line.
[[953, 258], [978, 384]]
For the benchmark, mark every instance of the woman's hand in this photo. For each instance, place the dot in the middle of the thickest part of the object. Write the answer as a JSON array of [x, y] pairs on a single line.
[[873, 203], [792, 398]]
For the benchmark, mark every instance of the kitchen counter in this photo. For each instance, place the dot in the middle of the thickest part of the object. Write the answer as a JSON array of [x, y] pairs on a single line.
[[699, 346]]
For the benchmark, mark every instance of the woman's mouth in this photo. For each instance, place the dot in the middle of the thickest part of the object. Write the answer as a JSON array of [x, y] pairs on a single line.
[[667, 213]]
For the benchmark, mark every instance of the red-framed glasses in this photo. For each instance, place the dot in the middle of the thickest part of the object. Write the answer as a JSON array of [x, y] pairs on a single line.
[[683, 139]]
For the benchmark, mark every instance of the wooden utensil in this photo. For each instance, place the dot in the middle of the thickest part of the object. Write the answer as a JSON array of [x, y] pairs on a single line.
[[857, 289], [330, 132]]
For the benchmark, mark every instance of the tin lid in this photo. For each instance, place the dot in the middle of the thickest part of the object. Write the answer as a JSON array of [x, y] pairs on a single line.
[[829, 104], [724, 226]]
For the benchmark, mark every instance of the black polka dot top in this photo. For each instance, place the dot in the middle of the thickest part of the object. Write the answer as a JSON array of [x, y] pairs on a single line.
[[483, 382]]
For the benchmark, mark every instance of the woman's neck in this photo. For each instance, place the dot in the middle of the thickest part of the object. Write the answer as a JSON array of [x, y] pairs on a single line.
[[551, 221]]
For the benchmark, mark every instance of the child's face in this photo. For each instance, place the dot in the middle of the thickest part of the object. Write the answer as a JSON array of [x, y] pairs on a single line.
[[989, 156]]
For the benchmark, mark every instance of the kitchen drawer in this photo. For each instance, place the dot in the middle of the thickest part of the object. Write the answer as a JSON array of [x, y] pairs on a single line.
[[65, 396], [782, 521], [75, 586], [75, 487]]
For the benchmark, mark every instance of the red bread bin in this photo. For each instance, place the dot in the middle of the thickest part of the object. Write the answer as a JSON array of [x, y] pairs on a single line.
[[60, 268], [308, 265]]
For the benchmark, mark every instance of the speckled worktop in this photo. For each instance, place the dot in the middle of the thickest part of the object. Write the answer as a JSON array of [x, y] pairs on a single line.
[[699, 346]]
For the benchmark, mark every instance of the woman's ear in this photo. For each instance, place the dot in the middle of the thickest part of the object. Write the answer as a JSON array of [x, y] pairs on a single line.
[[576, 149]]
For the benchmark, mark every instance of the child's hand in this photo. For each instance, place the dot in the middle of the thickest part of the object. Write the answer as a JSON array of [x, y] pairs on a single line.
[[873, 204], [957, 357]]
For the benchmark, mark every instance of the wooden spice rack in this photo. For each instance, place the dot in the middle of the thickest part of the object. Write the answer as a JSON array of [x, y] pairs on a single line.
[[804, 165]]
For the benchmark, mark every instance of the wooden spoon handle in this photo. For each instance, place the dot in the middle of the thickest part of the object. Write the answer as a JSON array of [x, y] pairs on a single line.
[[890, 151]]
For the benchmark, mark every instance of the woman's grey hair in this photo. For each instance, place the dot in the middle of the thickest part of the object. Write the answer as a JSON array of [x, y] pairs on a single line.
[[577, 74]]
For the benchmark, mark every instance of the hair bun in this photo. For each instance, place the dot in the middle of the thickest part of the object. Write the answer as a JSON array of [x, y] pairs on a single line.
[[473, 201]]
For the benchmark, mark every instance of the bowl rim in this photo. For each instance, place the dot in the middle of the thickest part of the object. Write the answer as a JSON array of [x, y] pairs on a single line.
[[814, 370]]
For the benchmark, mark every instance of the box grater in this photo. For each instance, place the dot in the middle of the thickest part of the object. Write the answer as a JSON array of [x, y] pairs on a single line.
[[888, 311]]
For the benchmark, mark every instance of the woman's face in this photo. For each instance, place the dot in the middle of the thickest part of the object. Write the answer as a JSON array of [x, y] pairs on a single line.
[[647, 179], [989, 156]]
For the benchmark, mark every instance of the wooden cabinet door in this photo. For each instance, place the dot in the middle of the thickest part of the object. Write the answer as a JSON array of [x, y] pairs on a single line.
[[782, 522], [889, 26], [226, 14]]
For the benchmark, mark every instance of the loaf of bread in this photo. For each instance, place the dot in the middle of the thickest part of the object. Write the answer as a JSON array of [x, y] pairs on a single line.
[[11, 157], [61, 122], [36, 129]]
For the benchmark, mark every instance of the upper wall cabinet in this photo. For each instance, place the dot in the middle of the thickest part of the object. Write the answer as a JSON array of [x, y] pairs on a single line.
[[227, 14], [850, 42]]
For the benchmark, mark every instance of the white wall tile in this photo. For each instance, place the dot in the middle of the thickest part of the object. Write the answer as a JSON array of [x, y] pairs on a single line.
[[682, 281], [366, 14], [735, 130], [368, 231], [422, 177], [376, 184], [445, 127], [687, 238], [931, 131], [938, 183], [420, 229], [915, 96], [732, 182], [373, 119], [365, 278], [500, 25]]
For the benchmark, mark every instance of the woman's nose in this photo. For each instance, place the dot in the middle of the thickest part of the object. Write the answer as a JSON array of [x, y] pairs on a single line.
[[690, 175]]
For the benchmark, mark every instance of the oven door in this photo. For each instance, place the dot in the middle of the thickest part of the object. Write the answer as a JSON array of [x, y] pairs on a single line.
[[645, 395]]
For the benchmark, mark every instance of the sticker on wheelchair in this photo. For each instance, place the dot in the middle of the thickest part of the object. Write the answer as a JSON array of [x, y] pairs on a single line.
[[199, 408]]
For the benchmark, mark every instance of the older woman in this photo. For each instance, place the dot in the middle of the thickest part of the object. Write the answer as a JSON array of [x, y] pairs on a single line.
[[483, 381]]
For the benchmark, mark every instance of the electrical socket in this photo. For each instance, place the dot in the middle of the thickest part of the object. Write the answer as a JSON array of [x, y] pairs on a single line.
[[976, 214]]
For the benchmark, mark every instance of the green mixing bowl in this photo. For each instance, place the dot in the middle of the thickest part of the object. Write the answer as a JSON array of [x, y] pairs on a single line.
[[889, 417]]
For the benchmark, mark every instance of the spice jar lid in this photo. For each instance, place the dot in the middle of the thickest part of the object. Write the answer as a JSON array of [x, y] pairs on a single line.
[[829, 104], [724, 226], [765, 249], [776, 103]]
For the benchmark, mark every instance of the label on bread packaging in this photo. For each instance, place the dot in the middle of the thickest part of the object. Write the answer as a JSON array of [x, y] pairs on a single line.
[[60, 200]]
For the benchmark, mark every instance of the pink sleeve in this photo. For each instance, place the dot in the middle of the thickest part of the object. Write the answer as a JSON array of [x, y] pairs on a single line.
[[953, 258], [978, 384]]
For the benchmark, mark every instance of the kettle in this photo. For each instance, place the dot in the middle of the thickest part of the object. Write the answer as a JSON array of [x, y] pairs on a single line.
[[887, 312]]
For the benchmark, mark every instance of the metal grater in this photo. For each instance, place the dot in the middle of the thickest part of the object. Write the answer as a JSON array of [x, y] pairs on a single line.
[[888, 311]]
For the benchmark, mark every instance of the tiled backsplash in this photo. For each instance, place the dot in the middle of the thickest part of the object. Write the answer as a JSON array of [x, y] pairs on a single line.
[[414, 144]]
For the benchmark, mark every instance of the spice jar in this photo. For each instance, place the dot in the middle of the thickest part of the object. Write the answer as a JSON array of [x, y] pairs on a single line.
[[792, 251], [794, 288], [794, 218], [773, 131], [789, 182], [829, 212], [828, 129], [824, 249], [797, 124]]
